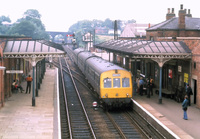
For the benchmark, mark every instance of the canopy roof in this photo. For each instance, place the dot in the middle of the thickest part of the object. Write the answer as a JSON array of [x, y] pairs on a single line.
[[142, 48], [159, 51], [32, 48]]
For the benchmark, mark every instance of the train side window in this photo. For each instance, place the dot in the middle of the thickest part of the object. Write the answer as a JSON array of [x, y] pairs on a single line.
[[107, 83], [125, 82], [116, 82]]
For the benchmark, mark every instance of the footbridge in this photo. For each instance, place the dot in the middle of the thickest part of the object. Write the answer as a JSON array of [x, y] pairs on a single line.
[[67, 36]]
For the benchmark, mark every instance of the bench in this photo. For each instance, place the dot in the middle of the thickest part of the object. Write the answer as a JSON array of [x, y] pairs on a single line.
[[13, 89], [165, 93]]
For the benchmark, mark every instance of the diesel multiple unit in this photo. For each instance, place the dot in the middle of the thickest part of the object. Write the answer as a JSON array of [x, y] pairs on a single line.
[[112, 83]]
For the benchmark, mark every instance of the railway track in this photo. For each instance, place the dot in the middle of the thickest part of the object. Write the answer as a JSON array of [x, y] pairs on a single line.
[[112, 124], [77, 119]]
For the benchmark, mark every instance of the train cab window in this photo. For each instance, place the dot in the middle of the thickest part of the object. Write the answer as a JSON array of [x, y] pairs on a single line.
[[107, 83], [116, 82], [125, 82]]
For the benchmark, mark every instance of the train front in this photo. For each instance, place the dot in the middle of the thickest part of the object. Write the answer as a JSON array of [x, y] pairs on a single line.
[[116, 87]]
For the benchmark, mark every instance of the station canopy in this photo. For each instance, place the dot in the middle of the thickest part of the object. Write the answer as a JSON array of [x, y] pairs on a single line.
[[32, 48], [147, 49]]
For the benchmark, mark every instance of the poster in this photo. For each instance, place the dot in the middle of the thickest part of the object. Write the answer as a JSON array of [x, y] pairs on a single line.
[[186, 77], [170, 73]]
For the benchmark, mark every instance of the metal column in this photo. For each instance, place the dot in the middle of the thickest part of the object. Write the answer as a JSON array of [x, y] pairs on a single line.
[[160, 86], [33, 88]]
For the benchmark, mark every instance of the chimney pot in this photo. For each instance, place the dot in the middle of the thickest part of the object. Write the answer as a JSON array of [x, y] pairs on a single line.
[[172, 10], [181, 6], [168, 10]]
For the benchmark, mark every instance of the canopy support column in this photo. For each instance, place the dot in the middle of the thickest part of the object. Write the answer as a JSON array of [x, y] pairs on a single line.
[[33, 62], [161, 61]]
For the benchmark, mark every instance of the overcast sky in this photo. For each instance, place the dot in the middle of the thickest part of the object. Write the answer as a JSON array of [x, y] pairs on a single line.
[[59, 15]]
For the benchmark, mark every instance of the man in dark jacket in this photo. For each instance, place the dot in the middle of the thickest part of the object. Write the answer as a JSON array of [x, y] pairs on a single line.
[[189, 92]]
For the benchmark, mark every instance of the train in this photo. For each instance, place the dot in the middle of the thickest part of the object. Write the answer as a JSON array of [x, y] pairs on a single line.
[[111, 83]]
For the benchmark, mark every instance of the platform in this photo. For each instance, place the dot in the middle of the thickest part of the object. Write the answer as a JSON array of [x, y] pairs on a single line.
[[170, 114], [20, 120]]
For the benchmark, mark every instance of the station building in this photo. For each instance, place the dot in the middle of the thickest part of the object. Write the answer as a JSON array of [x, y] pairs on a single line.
[[170, 52], [183, 28]]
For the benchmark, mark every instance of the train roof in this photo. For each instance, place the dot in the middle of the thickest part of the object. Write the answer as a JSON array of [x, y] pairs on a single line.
[[100, 65], [78, 50], [97, 63], [86, 55]]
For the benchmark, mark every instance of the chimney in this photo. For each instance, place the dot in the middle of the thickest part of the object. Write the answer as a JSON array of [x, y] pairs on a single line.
[[170, 15], [188, 14], [181, 21]]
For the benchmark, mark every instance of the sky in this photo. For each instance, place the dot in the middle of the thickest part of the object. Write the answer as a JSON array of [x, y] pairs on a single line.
[[59, 15]]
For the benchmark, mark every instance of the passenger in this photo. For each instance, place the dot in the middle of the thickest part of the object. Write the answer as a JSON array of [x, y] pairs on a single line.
[[13, 85], [29, 79], [189, 92], [148, 88], [138, 85], [141, 83], [151, 86], [18, 86], [184, 106], [134, 87]]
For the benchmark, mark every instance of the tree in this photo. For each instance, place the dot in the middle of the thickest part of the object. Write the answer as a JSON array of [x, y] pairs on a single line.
[[24, 28], [108, 23], [32, 22], [4, 18], [4, 28], [32, 13]]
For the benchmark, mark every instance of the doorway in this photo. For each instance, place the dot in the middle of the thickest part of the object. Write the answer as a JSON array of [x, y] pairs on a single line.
[[194, 90]]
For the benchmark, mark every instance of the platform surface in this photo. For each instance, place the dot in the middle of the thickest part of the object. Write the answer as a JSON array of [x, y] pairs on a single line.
[[170, 113], [20, 120]]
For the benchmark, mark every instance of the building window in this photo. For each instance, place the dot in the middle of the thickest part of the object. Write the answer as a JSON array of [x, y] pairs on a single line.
[[151, 38], [194, 65]]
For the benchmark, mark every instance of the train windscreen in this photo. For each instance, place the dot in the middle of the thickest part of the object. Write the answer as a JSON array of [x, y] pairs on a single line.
[[125, 82], [107, 83], [116, 82]]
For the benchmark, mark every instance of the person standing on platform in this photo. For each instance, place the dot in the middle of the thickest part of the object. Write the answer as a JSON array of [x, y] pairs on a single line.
[[184, 106], [151, 86], [134, 87], [141, 83], [29, 79], [189, 92]]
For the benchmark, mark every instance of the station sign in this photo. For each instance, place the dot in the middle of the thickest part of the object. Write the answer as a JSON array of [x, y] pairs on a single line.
[[14, 71]]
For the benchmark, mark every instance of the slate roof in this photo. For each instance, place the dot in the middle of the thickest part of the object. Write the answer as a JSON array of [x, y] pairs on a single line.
[[132, 30], [172, 24]]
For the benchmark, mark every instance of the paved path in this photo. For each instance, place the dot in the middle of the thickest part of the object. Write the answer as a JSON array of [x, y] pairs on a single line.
[[20, 120]]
